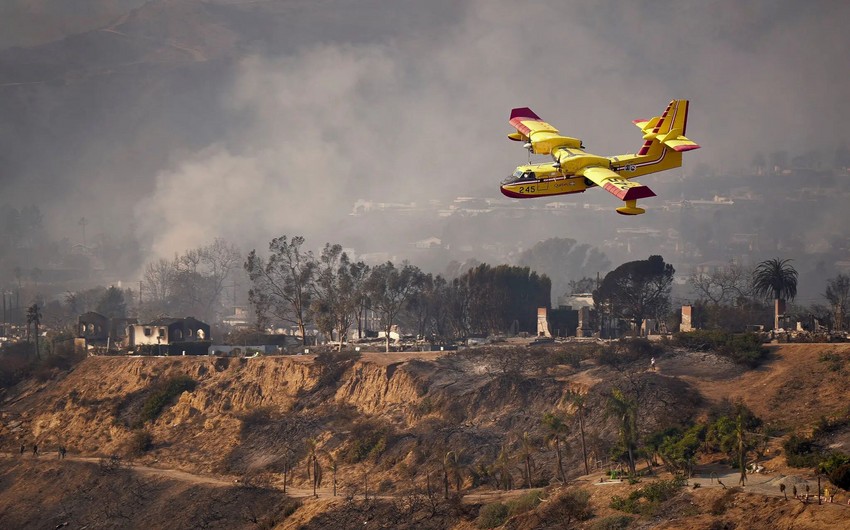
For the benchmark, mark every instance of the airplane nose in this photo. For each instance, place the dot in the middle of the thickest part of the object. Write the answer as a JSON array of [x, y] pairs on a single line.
[[509, 193]]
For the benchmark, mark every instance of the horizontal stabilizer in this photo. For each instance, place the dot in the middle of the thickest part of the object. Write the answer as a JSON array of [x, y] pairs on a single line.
[[668, 129], [681, 144]]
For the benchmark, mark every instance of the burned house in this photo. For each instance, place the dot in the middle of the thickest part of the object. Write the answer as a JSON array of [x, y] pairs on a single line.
[[560, 322], [165, 331], [100, 330]]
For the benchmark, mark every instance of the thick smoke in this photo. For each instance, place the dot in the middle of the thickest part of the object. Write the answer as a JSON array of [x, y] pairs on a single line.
[[422, 116], [369, 106]]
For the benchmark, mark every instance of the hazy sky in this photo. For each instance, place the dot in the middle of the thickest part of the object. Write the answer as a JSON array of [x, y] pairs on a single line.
[[409, 101]]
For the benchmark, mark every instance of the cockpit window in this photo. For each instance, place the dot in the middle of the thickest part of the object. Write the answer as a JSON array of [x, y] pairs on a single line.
[[520, 175]]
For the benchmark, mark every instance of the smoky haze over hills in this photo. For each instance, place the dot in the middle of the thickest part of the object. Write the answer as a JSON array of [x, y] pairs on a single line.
[[170, 123]]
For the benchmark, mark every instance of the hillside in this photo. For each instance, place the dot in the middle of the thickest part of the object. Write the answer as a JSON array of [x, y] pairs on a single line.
[[390, 422]]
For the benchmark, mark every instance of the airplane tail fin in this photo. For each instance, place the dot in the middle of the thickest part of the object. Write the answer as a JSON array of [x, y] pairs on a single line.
[[668, 129]]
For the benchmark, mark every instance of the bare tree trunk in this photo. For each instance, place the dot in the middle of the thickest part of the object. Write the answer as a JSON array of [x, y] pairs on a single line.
[[302, 329], [560, 464], [583, 446], [316, 475]]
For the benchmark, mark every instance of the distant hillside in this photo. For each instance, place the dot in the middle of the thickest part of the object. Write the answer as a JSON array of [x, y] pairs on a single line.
[[26, 23]]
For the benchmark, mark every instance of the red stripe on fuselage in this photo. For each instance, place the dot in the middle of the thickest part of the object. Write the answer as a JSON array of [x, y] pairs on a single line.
[[514, 195]]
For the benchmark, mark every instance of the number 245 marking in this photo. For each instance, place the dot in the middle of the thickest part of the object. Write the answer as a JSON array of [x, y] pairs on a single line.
[[526, 189]]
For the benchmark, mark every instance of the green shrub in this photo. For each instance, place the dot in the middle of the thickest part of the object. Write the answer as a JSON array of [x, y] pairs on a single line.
[[367, 439], [425, 406], [163, 395], [570, 358], [625, 504], [574, 505], [525, 503], [741, 348], [840, 476], [574, 354], [701, 339], [661, 490], [492, 515], [832, 461], [744, 349], [625, 351], [653, 494], [829, 356], [801, 452], [139, 442], [829, 425], [612, 522], [720, 504]]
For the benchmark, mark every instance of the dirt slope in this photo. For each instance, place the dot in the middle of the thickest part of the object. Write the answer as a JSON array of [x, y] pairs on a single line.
[[390, 420], [794, 388]]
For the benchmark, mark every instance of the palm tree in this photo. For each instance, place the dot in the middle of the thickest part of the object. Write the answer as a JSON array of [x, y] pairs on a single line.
[[579, 401], [625, 410], [34, 319], [451, 465], [526, 450], [775, 277], [557, 430], [502, 465]]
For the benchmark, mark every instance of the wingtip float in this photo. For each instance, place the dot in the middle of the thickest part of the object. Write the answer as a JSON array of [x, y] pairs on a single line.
[[574, 170]]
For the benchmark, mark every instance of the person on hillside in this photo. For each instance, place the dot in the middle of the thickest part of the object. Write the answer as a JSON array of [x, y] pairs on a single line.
[[34, 449], [23, 449], [652, 364]]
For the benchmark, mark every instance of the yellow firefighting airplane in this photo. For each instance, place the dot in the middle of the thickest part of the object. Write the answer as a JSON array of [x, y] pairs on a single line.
[[574, 170]]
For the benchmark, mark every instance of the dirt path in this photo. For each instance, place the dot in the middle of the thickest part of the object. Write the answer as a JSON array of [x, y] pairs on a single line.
[[175, 474]]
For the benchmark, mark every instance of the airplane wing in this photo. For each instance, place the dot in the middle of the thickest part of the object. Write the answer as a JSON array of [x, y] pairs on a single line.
[[625, 190], [542, 136]]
